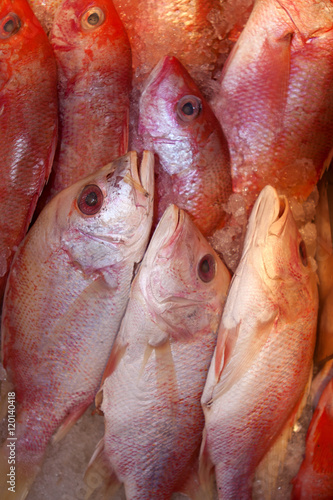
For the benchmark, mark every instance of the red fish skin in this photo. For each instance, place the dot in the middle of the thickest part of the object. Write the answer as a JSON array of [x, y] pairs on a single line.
[[314, 480], [275, 102], [94, 69], [28, 124], [192, 159]]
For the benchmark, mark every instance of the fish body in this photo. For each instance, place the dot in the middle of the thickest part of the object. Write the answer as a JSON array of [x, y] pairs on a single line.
[[157, 369], [192, 165], [67, 292], [275, 102], [94, 66], [314, 480], [28, 122], [265, 345]]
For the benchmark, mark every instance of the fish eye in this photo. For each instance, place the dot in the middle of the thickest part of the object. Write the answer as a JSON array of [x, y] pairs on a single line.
[[188, 108], [207, 268], [90, 200], [9, 25], [303, 253], [92, 18]]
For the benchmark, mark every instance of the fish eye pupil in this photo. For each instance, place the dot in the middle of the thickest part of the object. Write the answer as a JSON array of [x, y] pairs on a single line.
[[9, 26], [205, 266], [188, 109], [91, 199], [93, 19]]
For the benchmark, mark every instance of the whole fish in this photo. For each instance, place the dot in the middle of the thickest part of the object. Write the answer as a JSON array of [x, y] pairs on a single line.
[[28, 122], [94, 66], [68, 289], [157, 368], [264, 350], [192, 166], [275, 102], [314, 480]]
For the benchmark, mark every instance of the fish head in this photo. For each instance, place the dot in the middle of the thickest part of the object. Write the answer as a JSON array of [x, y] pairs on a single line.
[[183, 280], [174, 117], [278, 251], [86, 27], [107, 217], [20, 34]]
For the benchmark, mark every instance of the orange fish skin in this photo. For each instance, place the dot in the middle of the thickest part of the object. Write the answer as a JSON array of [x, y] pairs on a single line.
[[264, 351], [275, 102], [157, 369], [192, 164], [94, 67], [28, 122], [314, 480], [68, 289]]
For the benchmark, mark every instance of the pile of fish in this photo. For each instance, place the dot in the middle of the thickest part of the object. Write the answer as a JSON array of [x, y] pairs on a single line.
[[159, 161]]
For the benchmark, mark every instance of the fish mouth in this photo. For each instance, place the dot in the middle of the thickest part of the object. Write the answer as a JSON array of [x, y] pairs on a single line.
[[160, 71], [268, 217], [166, 233]]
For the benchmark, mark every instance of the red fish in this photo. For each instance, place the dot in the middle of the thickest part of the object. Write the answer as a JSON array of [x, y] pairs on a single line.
[[314, 480], [275, 103], [28, 122], [192, 167], [94, 65]]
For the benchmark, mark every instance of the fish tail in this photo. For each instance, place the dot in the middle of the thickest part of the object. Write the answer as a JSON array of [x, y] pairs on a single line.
[[99, 474]]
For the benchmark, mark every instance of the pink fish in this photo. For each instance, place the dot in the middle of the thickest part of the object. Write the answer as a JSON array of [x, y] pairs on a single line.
[[28, 122], [67, 292], [263, 358], [192, 166], [275, 102], [94, 66], [157, 368]]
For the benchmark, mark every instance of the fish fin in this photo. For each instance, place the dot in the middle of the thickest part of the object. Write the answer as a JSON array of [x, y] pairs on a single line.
[[206, 469], [166, 376], [117, 353], [240, 360], [226, 341], [320, 381], [68, 423], [99, 474], [271, 465]]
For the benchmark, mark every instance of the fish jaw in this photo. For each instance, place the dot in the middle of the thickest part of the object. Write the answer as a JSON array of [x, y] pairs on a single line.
[[267, 333], [271, 141], [193, 169]]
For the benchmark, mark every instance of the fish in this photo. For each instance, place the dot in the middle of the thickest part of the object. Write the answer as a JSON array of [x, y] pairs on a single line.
[[275, 99], [151, 389], [314, 479], [263, 357], [28, 123], [93, 57], [192, 159], [68, 290]]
